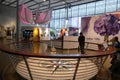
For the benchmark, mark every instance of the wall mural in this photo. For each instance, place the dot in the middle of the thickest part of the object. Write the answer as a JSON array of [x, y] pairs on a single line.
[[26, 16], [96, 28]]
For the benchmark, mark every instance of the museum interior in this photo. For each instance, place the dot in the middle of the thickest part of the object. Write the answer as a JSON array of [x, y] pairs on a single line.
[[39, 39]]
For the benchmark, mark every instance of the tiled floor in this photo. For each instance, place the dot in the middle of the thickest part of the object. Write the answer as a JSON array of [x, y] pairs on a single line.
[[8, 73]]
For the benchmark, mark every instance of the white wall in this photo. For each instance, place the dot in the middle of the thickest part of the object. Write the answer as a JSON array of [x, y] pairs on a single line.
[[7, 17]]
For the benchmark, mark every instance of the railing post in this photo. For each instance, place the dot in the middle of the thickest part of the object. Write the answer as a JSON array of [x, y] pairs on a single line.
[[100, 66], [78, 61], [102, 62], [27, 66]]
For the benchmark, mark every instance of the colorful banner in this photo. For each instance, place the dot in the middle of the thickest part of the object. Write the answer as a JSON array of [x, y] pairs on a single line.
[[97, 27], [26, 16]]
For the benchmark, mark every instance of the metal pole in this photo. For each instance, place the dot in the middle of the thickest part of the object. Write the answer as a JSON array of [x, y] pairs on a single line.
[[49, 8], [100, 66], [27, 66], [17, 21], [78, 62], [67, 13], [102, 62]]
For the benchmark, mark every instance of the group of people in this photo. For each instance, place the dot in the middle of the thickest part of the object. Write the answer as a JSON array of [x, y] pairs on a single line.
[[81, 40], [115, 62]]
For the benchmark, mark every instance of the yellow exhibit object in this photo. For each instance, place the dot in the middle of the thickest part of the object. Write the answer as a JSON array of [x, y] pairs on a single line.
[[35, 34]]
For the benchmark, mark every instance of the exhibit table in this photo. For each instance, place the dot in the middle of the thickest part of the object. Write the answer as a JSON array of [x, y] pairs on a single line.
[[36, 61]]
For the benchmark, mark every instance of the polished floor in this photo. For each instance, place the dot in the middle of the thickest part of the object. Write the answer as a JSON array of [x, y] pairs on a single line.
[[7, 71]]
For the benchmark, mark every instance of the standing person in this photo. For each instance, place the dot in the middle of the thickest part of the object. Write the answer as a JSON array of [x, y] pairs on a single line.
[[81, 40], [115, 67], [116, 44]]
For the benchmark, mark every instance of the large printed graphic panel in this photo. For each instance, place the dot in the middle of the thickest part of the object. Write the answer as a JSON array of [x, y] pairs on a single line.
[[97, 27]]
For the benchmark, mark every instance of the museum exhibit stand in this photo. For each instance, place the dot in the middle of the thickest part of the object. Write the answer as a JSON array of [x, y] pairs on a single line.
[[35, 61]]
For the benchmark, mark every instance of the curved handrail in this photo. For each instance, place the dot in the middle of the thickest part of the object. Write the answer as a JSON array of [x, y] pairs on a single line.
[[46, 55], [32, 65]]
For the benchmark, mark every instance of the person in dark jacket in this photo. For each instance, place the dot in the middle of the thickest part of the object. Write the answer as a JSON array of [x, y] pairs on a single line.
[[115, 67], [81, 40]]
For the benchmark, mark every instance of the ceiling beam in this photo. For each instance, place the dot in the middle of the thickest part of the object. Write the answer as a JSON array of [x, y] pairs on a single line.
[[36, 3], [47, 4], [27, 2], [39, 4], [53, 7], [11, 3], [2, 1], [66, 3], [20, 5]]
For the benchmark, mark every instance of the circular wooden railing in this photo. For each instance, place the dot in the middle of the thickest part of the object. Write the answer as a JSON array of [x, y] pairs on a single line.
[[36, 61]]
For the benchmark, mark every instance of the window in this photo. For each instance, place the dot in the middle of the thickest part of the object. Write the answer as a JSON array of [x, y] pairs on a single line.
[[57, 14], [111, 5], [69, 22], [52, 22], [62, 23], [75, 11], [79, 23], [57, 24], [118, 5], [74, 22], [69, 12], [82, 10], [100, 7], [53, 14], [62, 13], [91, 8]]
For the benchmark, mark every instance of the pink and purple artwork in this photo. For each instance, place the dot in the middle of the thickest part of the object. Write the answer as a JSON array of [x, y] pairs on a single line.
[[26, 16], [107, 24]]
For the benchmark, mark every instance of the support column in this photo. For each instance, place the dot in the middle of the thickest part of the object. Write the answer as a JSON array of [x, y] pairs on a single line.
[[49, 8], [17, 21]]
